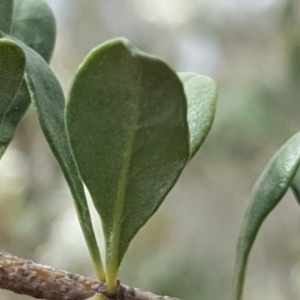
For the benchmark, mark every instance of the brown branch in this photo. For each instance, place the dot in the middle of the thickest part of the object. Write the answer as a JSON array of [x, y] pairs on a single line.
[[42, 282]]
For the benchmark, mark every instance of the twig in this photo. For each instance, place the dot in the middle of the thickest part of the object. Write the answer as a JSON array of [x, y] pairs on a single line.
[[42, 282]]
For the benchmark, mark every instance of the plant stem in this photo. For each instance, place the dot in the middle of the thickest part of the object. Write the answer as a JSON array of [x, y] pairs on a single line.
[[42, 282]]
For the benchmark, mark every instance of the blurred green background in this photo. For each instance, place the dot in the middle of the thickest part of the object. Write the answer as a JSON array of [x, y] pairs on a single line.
[[252, 49]]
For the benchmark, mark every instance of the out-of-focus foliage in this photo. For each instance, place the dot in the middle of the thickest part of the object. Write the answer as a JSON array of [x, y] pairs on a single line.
[[251, 48], [268, 190], [34, 25]]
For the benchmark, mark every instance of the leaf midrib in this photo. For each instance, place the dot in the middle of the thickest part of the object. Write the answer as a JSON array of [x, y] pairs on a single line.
[[122, 182]]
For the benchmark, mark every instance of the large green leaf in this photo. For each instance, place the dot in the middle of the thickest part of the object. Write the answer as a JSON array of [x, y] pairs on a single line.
[[127, 123], [48, 101], [267, 192], [201, 93], [12, 67], [6, 12], [33, 24]]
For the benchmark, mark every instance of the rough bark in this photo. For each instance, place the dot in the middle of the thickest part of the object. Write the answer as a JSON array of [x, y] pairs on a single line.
[[42, 282]]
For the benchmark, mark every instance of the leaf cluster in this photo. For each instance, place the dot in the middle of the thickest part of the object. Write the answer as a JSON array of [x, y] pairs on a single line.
[[130, 126]]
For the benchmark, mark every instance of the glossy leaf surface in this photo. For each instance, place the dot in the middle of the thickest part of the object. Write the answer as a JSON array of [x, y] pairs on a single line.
[[12, 67], [33, 24], [6, 12], [48, 101], [267, 192], [201, 93], [127, 123]]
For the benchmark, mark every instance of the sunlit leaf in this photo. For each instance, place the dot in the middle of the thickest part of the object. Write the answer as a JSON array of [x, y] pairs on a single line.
[[267, 192], [12, 67], [201, 93], [48, 101], [6, 11], [127, 122], [33, 24]]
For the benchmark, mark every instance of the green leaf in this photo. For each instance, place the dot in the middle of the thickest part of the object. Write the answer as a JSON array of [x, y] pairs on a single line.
[[12, 67], [295, 186], [127, 123], [6, 12], [33, 24], [48, 101], [201, 93], [13, 117], [267, 192]]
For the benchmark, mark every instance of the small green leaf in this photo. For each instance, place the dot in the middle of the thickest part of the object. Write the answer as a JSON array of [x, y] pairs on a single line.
[[6, 12], [127, 123], [48, 101], [33, 24], [13, 117], [267, 192], [201, 93], [295, 186], [12, 67]]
